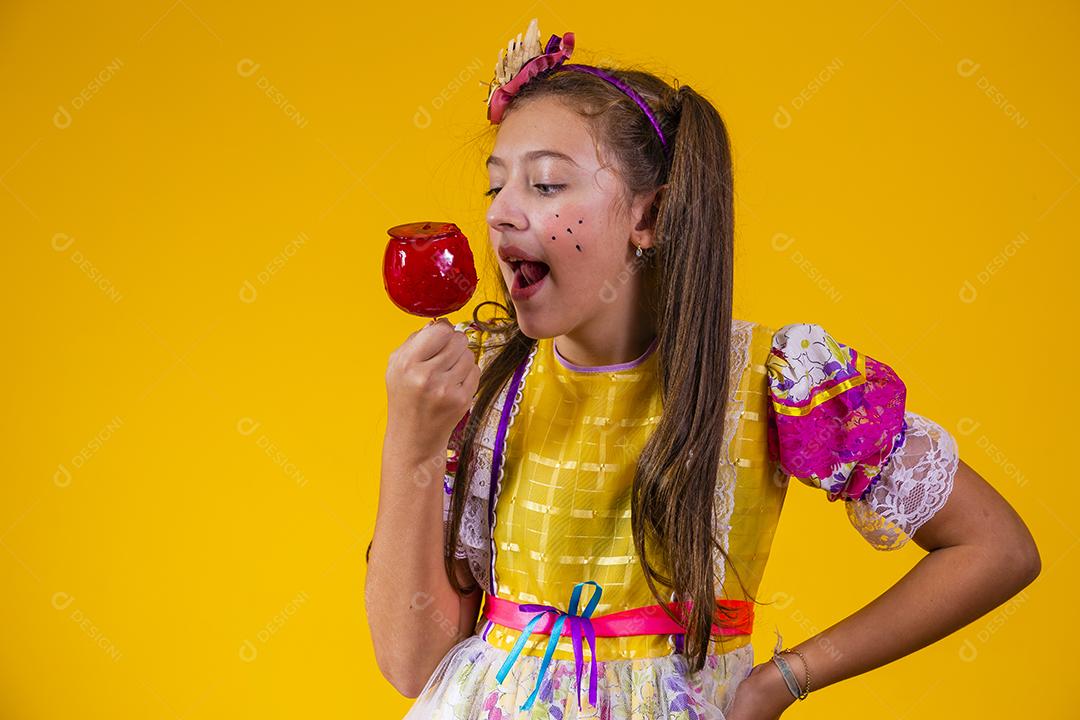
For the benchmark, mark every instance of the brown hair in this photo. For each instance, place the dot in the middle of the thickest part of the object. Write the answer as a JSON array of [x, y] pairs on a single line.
[[688, 281]]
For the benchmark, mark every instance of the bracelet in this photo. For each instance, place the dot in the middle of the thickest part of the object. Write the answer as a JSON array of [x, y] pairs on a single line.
[[806, 667], [789, 676]]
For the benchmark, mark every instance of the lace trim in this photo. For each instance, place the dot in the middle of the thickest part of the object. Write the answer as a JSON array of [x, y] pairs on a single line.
[[502, 460], [474, 522], [916, 484], [739, 355], [472, 539], [477, 537]]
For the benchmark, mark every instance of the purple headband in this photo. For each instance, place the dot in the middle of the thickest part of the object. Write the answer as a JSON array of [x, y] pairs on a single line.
[[558, 50]]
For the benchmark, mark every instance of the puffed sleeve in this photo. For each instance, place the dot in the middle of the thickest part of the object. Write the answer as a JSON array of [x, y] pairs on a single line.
[[838, 422]]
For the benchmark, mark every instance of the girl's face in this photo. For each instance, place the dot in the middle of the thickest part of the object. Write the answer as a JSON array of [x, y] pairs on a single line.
[[553, 200]]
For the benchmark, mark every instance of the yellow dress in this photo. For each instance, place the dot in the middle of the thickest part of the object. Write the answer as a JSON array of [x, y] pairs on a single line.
[[548, 506], [563, 515]]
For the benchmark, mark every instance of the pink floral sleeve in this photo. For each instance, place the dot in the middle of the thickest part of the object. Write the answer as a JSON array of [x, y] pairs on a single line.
[[838, 422]]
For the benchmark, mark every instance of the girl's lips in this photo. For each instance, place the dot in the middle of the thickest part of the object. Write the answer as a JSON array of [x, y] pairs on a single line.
[[513, 251]]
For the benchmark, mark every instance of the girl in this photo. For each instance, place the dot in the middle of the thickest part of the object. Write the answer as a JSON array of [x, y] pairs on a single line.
[[615, 452]]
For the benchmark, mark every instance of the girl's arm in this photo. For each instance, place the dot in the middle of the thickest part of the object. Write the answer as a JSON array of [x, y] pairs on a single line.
[[980, 554], [414, 614]]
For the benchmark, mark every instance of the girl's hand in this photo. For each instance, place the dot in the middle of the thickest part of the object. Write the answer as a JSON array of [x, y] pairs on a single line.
[[430, 382], [762, 695]]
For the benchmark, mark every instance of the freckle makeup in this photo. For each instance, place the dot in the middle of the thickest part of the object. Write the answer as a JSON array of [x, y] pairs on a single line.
[[571, 232]]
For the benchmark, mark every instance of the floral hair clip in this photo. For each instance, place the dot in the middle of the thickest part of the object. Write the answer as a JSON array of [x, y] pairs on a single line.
[[522, 61]]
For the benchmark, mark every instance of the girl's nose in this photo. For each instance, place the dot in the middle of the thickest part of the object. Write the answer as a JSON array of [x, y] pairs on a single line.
[[506, 213]]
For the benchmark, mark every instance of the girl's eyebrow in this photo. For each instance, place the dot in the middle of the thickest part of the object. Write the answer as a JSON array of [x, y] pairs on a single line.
[[533, 155]]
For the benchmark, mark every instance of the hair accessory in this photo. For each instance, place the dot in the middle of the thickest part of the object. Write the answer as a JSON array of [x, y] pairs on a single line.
[[524, 60]]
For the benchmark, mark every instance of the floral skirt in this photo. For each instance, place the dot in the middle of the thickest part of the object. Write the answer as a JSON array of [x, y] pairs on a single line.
[[464, 687]]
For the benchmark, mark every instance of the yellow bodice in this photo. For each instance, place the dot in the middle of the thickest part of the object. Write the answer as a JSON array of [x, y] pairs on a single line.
[[563, 511]]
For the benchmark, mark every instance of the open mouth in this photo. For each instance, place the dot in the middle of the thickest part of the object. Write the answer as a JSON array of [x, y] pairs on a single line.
[[527, 273]]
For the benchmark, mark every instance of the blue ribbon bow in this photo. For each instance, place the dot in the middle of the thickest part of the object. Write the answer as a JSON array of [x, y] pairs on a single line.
[[579, 625]]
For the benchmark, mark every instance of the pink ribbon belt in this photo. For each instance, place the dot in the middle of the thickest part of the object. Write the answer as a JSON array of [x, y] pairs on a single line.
[[647, 620]]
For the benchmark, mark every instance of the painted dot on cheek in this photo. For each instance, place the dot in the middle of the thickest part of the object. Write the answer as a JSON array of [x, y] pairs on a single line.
[[569, 231], [578, 247], [552, 237], [579, 222]]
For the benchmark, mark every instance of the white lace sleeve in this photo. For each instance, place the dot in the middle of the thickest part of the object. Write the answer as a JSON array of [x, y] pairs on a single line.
[[474, 537], [913, 487], [453, 454]]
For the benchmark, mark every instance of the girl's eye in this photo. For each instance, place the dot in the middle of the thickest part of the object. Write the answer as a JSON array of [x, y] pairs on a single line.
[[545, 189]]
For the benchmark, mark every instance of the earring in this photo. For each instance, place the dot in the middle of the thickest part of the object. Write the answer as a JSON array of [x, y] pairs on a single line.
[[638, 252]]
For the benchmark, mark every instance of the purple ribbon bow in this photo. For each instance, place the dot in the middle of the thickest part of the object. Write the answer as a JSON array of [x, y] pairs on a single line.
[[579, 625]]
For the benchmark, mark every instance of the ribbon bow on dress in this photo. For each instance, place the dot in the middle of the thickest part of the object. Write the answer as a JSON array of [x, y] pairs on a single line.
[[579, 625]]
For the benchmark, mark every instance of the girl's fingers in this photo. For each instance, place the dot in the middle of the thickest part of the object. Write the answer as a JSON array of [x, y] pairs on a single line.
[[432, 338], [456, 359]]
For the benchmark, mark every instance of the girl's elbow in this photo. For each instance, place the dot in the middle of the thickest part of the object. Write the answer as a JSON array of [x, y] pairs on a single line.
[[405, 683], [408, 687], [1024, 561], [1033, 563]]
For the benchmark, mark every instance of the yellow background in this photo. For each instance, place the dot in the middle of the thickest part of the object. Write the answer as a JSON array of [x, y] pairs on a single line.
[[195, 201]]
